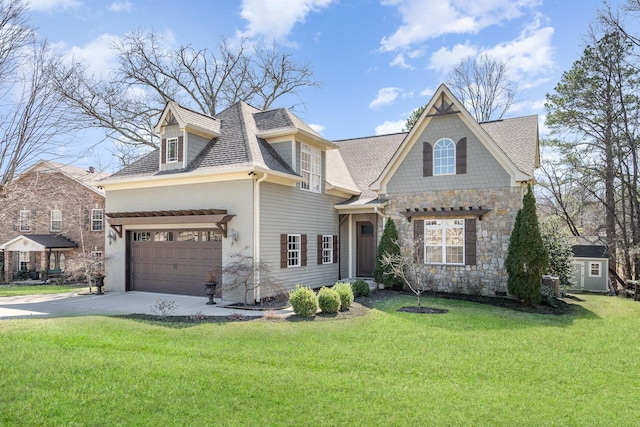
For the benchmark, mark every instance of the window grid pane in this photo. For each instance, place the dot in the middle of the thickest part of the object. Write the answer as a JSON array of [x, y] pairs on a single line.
[[327, 249], [25, 221], [172, 150], [293, 250], [97, 216], [444, 157], [310, 168], [56, 220], [444, 241]]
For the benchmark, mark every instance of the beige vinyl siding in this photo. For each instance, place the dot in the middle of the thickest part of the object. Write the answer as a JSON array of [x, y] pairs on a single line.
[[288, 210], [234, 196], [483, 170]]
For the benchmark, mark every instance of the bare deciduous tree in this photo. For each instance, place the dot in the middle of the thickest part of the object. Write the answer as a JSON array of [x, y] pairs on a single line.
[[129, 101], [33, 121], [407, 267], [241, 273], [483, 85]]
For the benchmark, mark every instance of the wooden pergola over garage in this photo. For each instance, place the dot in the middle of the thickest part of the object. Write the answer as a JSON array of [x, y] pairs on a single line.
[[219, 217]]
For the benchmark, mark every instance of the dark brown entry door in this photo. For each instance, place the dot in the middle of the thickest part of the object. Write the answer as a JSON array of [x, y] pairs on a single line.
[[365, 249]]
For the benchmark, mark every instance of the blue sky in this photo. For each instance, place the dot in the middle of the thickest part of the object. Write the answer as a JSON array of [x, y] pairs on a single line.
[[377, 60]]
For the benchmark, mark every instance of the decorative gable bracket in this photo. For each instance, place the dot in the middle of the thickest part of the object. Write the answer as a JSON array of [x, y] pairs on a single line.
[[444, 108], [461, 211]]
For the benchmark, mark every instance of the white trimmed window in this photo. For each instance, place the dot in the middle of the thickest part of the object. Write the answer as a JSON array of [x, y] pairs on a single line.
[[327, 249], [97, 219], [444, 241], [172, 150], [444, 157], [56, 220], [24, 258], [25, 221], [310, 168], [595, 269], [294, 250]]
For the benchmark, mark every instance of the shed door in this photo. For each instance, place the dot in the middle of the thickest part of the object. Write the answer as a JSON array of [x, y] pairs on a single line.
[[173, 261]]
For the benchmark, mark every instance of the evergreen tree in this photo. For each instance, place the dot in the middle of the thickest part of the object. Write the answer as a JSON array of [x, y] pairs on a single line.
[[527, 259], [558, 244], [388, 244]]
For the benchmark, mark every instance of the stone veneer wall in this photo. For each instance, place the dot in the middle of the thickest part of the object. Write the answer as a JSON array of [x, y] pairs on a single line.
[[488, 276]]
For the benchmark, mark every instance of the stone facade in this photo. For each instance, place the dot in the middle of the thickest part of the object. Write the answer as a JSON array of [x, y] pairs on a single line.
[[40, 192], [488, 276]]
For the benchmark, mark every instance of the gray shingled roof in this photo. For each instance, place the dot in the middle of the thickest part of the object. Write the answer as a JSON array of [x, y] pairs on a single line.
[[237, 146], [518, 138], [193, 117], [366, 157], [281, 118], [49, 241]]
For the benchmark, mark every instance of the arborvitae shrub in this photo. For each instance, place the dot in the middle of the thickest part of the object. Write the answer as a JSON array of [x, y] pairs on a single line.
[[328, 300], [303, 301], [346, 294], [527, 259], [388, 244], [360, 288]]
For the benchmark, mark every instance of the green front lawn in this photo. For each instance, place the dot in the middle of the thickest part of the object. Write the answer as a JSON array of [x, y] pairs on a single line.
[[20, 290], [476, 365]]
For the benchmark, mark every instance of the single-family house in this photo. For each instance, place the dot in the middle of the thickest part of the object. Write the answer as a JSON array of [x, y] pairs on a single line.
[[266, 184], [49, 214], [590, 264]]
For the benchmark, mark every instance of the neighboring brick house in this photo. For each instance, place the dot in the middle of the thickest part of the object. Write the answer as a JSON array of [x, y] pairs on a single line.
[[51, 214], [267, 184]]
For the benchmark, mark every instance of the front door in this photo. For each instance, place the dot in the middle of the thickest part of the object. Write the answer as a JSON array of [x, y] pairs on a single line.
[[365, 249]]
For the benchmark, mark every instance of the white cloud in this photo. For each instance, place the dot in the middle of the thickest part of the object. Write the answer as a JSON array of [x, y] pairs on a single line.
[[530, 53], [317, 128], [121, 6], [385, 96], [427, 92], [425, 19], [96, 55], [274, 19], [399, 61], [443, 59], [390, 127], [47, 5]]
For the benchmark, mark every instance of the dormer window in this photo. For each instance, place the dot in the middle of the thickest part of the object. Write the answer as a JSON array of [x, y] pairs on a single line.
[[172, 150], [310, 168]]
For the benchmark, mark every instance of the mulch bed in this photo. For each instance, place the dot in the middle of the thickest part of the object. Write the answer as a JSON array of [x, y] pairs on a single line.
[[360, 307]]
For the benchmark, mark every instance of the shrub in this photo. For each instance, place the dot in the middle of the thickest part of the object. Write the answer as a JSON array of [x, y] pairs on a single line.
[[303, 301], [388, 246], [548, 297], [360, 288], [345, 293], [328, 300]]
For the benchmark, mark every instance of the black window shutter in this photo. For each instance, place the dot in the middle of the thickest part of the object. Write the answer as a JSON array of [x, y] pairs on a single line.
[[461, 157], [319, 249], [180, 148], [427, 159], [335, 249], [303, 250], [470, 241], [418, 238], [163, 150], [283, 251]]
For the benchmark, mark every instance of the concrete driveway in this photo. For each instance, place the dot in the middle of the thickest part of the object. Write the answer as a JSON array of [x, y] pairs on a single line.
[[74, 304]]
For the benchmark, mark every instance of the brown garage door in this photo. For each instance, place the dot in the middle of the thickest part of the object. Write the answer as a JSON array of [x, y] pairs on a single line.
[[173, 261]]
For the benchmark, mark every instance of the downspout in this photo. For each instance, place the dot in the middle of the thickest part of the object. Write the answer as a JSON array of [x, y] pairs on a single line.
[[256, 236], [384, 218]]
